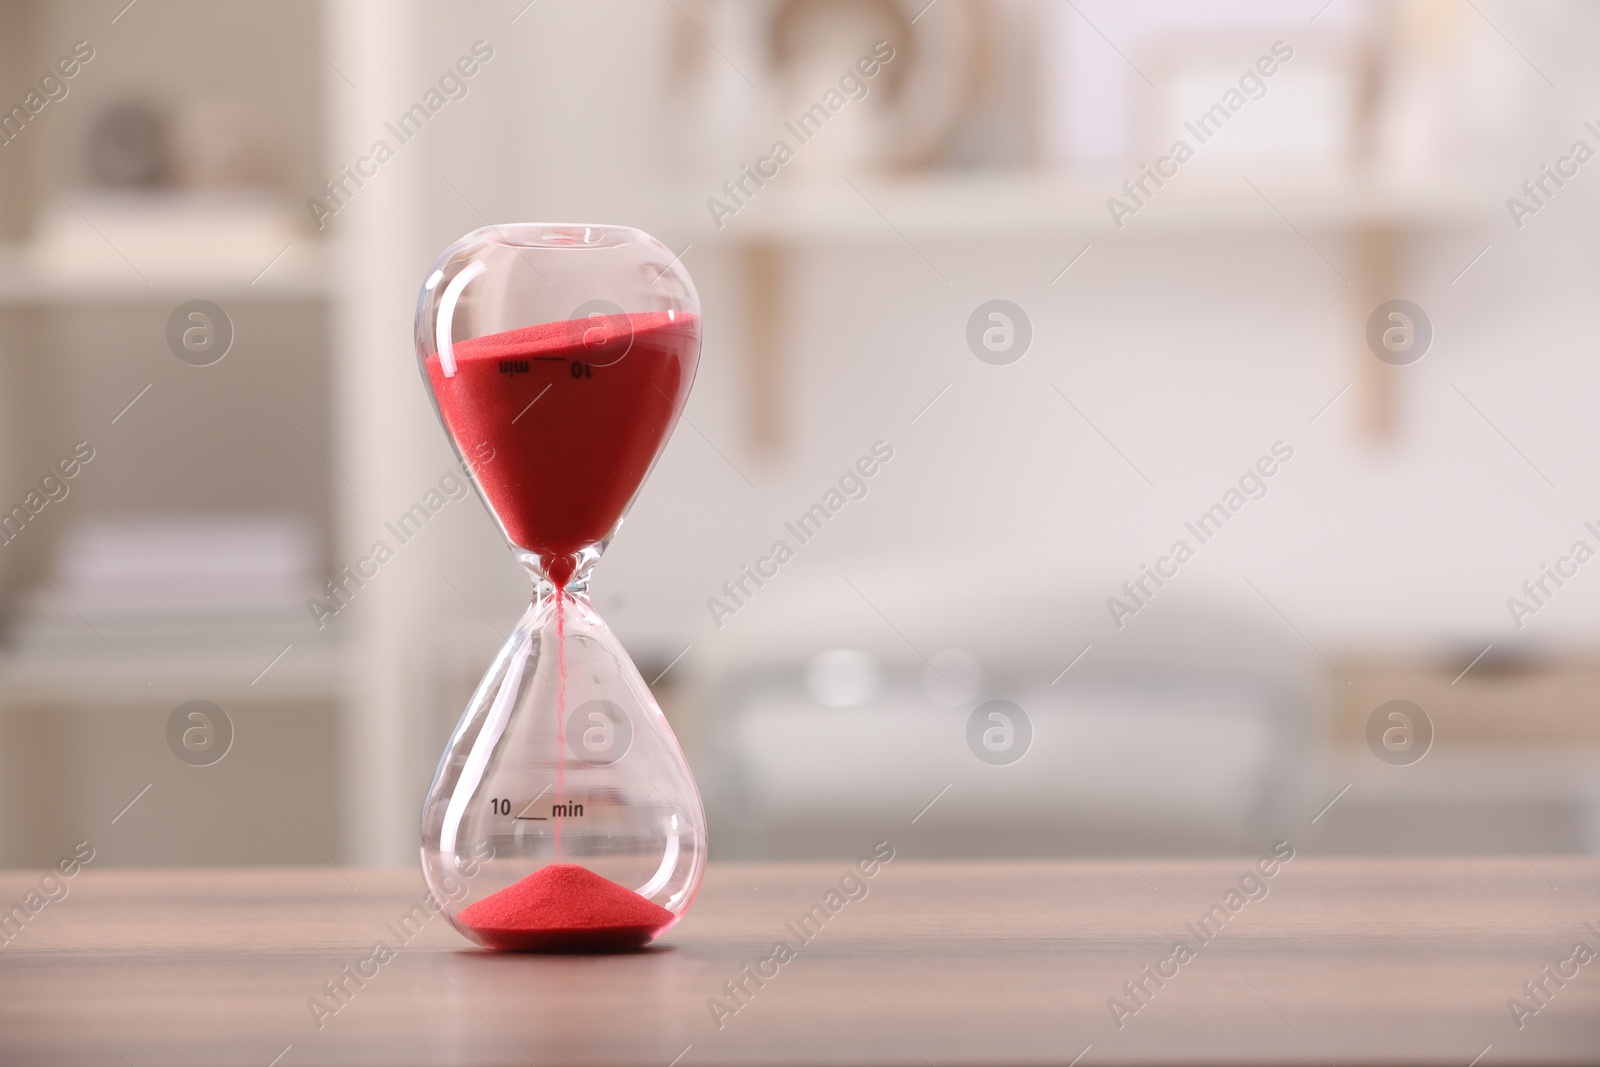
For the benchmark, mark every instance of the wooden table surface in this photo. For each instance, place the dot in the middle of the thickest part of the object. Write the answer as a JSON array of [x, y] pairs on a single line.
[[1343, 962]]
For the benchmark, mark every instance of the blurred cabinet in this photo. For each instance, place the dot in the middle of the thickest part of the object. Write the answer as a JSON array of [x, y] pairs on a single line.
[[161, 171]]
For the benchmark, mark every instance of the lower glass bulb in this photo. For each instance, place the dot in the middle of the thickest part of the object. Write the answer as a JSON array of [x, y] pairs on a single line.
[[563, 816]]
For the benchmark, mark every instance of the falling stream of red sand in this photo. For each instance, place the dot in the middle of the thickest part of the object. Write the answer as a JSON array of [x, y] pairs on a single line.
[[561, 702]]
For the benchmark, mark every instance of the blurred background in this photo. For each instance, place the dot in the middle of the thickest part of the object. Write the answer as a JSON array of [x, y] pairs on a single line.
[[208, 270]]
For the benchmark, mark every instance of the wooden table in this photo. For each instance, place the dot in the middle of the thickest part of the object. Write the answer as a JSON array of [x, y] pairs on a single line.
[[1343, 962]]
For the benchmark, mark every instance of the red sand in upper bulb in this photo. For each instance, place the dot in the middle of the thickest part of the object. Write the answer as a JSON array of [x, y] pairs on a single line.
[[565, 908], [560, 422]]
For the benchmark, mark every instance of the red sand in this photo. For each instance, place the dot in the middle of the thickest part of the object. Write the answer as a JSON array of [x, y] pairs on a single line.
[[564, 469], [565, 908]]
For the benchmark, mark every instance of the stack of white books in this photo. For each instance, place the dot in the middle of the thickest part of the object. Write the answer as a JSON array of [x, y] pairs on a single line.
[[171, 584]]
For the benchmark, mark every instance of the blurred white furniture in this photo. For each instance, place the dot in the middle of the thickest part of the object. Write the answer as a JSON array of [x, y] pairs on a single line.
[[1145, 761]]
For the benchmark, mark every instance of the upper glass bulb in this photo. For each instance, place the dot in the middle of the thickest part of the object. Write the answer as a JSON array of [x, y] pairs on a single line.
[[559, 358]]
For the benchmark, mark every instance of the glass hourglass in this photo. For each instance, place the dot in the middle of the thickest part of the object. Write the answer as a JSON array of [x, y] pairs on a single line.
[[563, 816]]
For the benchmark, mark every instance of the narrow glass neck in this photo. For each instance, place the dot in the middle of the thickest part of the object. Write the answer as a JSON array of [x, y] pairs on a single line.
[[547, 572], [576, 589]]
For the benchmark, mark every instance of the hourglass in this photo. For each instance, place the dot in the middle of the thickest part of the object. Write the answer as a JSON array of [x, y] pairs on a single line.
[[563, 816]]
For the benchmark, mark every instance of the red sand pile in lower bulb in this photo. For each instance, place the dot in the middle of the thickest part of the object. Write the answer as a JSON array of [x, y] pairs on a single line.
[[565, 908]]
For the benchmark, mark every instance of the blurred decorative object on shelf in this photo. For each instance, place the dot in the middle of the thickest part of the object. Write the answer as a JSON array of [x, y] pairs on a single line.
[[219, 142], [1299, 106], [812, 48], [1410, 86], [927, 89], [1107, 105], [127, 147], [1000, 130], [804, 58]]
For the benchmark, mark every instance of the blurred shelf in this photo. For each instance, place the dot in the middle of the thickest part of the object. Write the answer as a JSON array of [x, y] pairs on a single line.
[[795, 212], [300, 275], [310, 669], [1040, 206]]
